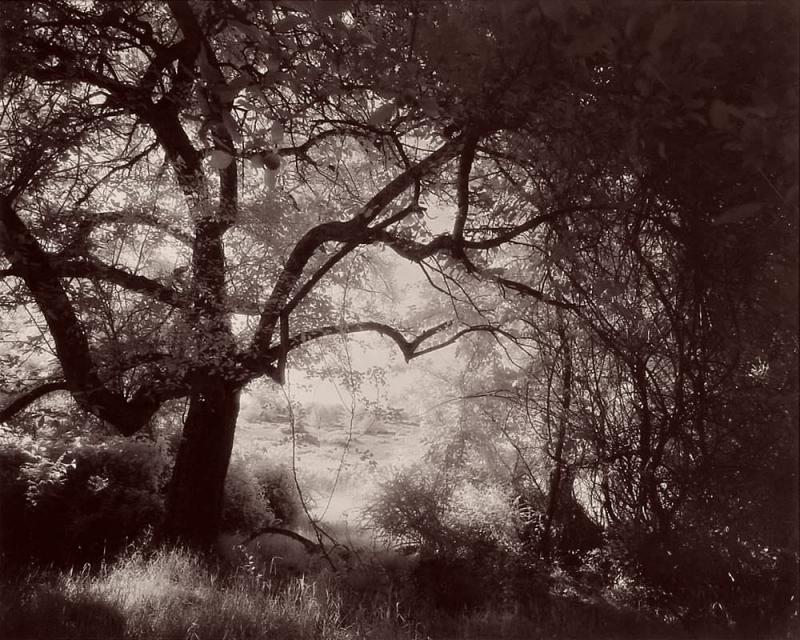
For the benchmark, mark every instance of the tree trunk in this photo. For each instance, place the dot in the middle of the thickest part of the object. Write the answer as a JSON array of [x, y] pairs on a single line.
[[557, 488], [196, 492]]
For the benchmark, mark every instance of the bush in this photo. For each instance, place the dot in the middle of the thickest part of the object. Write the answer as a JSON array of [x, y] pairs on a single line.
[[418, 506], [410, 509], [716, 580], [67, 499], [76, 501], [260, 492], [245, 507], [278, 491], [470, 552]]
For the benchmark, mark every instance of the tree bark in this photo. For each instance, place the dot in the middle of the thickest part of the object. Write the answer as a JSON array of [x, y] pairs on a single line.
[[196, 491]]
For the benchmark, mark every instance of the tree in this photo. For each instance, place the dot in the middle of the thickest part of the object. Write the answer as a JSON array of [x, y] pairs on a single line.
[[100, 99], [231, 164]]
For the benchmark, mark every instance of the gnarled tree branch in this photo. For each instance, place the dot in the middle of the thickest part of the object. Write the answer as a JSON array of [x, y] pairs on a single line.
[[354, 230], [34, 267]]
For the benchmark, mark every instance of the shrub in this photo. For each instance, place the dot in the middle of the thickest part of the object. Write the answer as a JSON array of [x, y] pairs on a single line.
[[76, 501], [67, 499], [245, 508], [714, 578], [420, 507], [278, 491], [470, 552]]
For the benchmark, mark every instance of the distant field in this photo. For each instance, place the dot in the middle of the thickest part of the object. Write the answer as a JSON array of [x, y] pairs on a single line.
[[375, 448]]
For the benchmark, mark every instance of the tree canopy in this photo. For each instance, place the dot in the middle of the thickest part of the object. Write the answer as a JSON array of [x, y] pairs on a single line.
[[188, 186]]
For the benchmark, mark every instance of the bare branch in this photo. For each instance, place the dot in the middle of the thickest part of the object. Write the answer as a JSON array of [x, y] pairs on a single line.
[[310, 546], [409, 348]]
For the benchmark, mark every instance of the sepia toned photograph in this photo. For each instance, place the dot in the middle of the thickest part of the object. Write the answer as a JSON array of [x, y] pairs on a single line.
[[399, 320]]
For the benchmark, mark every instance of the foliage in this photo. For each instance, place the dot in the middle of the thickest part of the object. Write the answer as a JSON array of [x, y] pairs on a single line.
[[78, 500], [260, 491], [712, 577], [616, 194], [278, 489], [466, 537], [245, 507]]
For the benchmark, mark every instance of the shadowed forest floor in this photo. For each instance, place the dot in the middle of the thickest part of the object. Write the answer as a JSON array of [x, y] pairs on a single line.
[[172, 594]]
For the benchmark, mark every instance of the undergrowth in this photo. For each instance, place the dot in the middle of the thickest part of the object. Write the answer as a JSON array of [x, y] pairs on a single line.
[[173, 594]]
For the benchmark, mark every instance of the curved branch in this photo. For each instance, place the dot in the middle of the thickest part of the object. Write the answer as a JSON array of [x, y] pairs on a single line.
[[417, 252], [446, 242], [452, 339], [337, 257], [251, 365], [34, 267], [354, 230], [310, 546], [385, 196], [407, 347], [301, 150], [28, 397]]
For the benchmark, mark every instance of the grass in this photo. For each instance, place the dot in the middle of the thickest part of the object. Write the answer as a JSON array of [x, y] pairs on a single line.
[[172, 594]]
